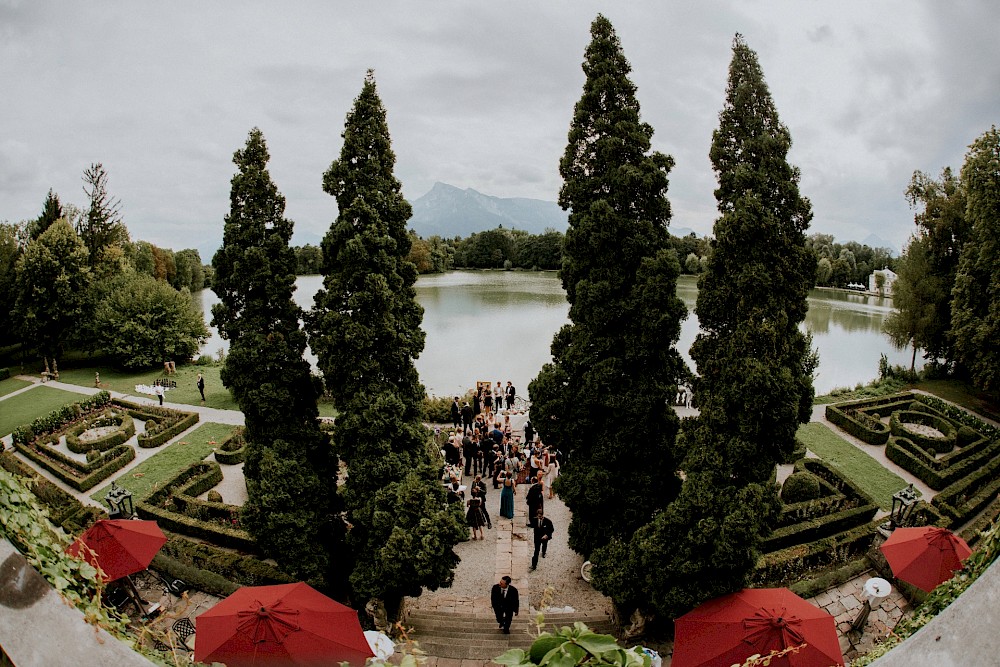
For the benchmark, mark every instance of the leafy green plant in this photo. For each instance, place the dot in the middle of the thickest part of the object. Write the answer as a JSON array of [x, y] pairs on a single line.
[[571, 647]]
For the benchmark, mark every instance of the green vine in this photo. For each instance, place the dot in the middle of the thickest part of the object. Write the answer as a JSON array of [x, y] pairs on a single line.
[[25, 524]]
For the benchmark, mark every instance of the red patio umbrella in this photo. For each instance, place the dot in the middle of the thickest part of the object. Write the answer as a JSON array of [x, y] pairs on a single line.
[[120, 547], [729, 629], [925, 556], [287, 624]]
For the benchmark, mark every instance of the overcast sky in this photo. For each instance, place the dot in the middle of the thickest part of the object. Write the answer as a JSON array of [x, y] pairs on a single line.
[[479, 94]]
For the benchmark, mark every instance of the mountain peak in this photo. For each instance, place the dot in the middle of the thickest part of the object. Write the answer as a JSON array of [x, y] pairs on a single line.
[[449, 211]]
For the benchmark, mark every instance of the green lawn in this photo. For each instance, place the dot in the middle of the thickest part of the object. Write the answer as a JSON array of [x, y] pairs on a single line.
[[40, 401], [154, 471], [186, 377], [853, 463], [12, 384]]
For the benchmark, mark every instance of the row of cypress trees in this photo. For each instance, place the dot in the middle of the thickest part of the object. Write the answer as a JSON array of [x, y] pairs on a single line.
[[670, 513], [388, 531]]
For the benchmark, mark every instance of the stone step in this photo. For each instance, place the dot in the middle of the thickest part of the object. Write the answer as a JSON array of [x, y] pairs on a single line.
[[483, 650], [453, 628], [559, 617], [479, 631], [486, 621]]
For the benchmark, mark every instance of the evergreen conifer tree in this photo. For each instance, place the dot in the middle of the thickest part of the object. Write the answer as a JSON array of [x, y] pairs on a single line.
[[754, 364], [101, 228], [975, 315], [606, 397], [52, 281], [291, 470], [51, 211], [365, 332]]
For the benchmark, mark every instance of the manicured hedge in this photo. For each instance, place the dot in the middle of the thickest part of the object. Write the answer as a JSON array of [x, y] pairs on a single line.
[[196, 479], [960, 416], [848, 420], [241, 569], [949, 469], [788, 565], [61, 506], [232, 450], [932, 445], [964, 499], [57, 419], [169, 422], [81, 476], [125, 430], [4, 373], [973, 531]]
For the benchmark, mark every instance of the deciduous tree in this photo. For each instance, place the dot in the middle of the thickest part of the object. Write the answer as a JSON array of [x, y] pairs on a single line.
[[605, 398], [292, 508], [142, 321], [917, 295], [53, 277], [942, 230], [365, 331], [975, 312]]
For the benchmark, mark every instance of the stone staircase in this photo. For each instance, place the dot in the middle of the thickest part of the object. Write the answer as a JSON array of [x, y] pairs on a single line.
[[464, 636]]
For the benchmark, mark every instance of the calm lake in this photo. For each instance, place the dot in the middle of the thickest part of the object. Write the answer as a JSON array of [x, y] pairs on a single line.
[[498, 325]]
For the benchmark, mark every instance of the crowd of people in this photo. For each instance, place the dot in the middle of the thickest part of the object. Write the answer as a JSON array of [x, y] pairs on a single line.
[[484, 447]]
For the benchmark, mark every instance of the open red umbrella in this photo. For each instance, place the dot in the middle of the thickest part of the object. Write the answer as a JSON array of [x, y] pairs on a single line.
[[120, 547], [287, 624], [729, 629], [925, 556]]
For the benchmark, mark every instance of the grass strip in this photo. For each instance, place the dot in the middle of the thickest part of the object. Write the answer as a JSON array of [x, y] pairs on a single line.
[[186, 377], [853, 463], [11, 385], [149, 475], [38, 402]]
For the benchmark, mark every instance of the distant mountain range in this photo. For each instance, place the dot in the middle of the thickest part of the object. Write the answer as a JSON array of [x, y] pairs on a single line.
[[449, 211]]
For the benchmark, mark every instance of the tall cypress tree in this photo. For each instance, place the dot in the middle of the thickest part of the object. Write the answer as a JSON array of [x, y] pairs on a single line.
[[365, 331], [975, 316], [291, 469], [755, 368], [605, 398], [754, 363]]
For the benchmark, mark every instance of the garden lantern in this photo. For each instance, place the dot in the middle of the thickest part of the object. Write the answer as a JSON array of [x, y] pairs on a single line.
[[904, 502]]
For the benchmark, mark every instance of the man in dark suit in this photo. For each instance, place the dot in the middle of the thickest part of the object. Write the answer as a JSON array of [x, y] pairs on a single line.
[[543, 534], [505, 603], [466, 418], [511, 393]]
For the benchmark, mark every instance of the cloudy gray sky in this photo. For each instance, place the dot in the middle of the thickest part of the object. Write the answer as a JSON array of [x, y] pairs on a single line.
[[479, 94]]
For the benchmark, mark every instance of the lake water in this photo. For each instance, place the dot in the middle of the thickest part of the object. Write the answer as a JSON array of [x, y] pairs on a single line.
[[498, 325]]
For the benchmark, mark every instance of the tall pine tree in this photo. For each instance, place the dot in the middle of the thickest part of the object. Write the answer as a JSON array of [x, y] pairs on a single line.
[[51, 211], [755, 369], [291, 470], [365, 331], [975, 314], [605, 398]]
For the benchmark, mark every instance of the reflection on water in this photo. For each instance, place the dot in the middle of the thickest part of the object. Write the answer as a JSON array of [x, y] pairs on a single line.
[[498, 325]]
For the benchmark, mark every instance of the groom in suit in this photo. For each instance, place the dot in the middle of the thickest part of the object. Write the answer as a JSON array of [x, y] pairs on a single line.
[[505, 603]]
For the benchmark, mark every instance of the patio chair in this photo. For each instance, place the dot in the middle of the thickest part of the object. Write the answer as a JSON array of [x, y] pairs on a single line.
[[183, 629]]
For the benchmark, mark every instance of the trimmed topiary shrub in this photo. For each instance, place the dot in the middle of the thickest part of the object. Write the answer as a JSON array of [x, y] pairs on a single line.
[[967, 435], [799, 487], [214, 496]]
